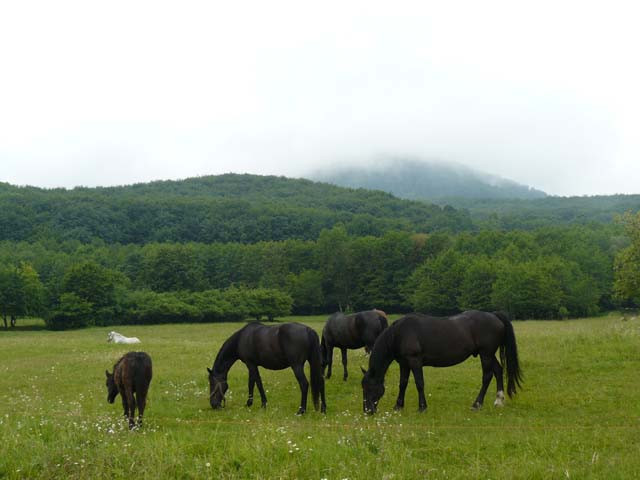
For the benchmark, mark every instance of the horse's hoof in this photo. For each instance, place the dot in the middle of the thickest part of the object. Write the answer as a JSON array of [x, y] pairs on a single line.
[[300, 411], [400, 407], [476, 406], [498, 403], [249, 402], [323, 409], [344, 378], [264, 405], [422, 409]]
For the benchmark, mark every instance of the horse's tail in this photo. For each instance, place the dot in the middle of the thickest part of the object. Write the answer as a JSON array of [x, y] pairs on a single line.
[[382, 317], [509, 355], [315, 364]]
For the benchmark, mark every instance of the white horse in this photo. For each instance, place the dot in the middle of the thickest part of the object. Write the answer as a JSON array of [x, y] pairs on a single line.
[[115, 337]]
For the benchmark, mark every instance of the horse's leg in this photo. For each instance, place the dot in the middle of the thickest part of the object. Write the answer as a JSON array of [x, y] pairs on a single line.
[[323, 401], [298, 371], [344, 363], [329, 359], [13, 321], [497, 372], [132, 408], [487, 375], [263, 396], [125, 405], [4, 317], [404, 381], [416, 368], [252, 381], [141, 400]]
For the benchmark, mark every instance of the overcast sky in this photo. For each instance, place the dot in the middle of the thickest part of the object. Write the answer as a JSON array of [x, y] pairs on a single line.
[[112, 93]]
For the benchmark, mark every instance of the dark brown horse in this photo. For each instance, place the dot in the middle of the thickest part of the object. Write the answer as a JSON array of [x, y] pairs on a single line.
[[350, 332], [131, 376], [275, 348], [416, 340]]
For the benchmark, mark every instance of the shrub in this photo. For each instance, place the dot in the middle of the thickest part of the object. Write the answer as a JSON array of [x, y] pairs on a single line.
[[72, 312]]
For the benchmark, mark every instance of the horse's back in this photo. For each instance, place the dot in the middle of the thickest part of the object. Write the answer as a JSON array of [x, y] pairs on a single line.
[[486, 327], [355, 330], [275, 346], [474, 321], [333, 326], [134, 370], [373, 320], [445, 341]]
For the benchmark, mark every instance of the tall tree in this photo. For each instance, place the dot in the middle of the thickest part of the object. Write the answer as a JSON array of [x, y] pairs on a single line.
[[21, 292], [333, 249], [91, 284], [477, 285], [434, 287], [627, 262]]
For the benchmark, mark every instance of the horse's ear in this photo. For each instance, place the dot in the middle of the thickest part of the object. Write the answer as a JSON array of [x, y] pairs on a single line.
[[363, 370], [209, 370], [107, 373]]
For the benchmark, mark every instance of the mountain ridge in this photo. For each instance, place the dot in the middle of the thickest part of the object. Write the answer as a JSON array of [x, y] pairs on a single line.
[[425, 180]]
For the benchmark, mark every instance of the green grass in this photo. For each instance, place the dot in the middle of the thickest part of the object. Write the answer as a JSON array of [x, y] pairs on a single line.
[[577, 417]]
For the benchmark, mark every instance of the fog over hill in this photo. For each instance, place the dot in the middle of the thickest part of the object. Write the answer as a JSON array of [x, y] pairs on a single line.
[[430, 180]]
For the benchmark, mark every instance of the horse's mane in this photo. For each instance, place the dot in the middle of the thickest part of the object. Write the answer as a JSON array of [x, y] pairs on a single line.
[[120, 360], [227, 354], [381, 355]]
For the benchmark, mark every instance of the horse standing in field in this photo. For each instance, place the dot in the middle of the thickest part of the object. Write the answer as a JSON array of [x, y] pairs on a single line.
[[131, 375], [275, 348], [350, 332], [416, 340]]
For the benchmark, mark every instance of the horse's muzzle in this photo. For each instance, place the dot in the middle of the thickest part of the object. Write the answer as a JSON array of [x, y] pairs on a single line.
[[368, 410]]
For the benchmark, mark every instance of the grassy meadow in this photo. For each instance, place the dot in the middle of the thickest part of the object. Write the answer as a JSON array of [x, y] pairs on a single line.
[[577, 417]]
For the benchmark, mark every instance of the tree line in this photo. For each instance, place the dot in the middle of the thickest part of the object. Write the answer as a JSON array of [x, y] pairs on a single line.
[[530, 214], [550, 272]]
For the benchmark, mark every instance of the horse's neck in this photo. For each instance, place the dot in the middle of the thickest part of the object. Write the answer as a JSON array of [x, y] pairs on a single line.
[[381, 355], [227, 356]]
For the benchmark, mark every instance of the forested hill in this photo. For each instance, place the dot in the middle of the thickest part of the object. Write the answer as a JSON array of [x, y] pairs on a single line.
[[224, 208], [512, 214], [414, 180]]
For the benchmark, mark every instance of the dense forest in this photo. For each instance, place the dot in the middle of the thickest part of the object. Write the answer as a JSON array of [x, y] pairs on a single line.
[[512, 214], [225, 208], [145, 254]]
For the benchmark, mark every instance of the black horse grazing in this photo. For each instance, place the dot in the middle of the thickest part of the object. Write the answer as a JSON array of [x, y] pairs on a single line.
[[131, 375], [350, 332], [275, 348], [416, 340]]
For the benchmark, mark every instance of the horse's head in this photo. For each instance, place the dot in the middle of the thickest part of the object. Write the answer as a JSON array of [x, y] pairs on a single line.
[[218, 386], [372, 392], [111, 387]]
